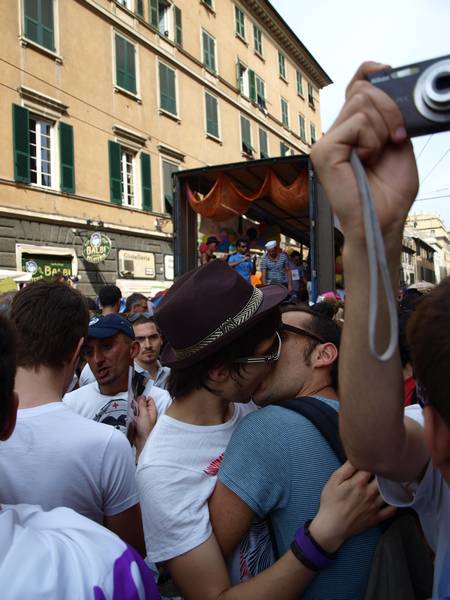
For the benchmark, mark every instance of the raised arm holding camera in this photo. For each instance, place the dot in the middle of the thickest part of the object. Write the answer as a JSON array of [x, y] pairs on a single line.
[[376, 434]]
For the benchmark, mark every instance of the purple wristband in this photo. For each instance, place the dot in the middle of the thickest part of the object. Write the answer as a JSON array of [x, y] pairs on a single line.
[[312, 550]]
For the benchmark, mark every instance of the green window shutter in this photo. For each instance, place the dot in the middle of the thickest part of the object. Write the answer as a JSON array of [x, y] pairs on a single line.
[[21, 144], [67, 158], [146, 179], [178, 26], [252, 85], [154, 13], [115, 183], [125, 64], [140, 8], [301, 119], [209, 52], [212, 120], [167, 89], [263, 147], [38, 22], [246, 136]]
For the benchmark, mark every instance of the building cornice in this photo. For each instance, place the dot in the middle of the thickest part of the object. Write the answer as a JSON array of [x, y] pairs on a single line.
[[288, 40]]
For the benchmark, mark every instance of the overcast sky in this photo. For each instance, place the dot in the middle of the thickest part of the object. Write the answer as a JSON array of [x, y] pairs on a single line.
[[341, 34]]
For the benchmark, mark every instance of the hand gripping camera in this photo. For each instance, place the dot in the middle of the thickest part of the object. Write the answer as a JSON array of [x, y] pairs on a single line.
[[422, 92]]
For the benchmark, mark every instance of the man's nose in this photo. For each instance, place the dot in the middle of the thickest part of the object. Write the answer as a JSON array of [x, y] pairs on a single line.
[[98, 356]]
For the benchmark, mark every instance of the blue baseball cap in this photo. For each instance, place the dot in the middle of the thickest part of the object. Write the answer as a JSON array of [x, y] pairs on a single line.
[[106, 326]]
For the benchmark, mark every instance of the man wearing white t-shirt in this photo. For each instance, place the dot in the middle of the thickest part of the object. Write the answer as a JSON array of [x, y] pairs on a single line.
[[110, 349], [56, 457], [410, 453], [58, 554]]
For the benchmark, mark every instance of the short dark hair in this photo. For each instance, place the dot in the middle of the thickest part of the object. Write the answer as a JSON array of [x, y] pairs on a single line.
[[325, 328], [109, 295], [242, 241], [7, 369], [50, 320], [428, 335], [184, 381], [142, 320], [134, 299]]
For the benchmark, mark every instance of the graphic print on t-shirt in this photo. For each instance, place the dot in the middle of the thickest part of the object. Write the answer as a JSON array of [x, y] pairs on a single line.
[[214, 466], [114, 413]]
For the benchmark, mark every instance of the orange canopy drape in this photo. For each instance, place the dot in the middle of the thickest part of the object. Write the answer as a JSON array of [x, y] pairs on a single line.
[[225, 200]]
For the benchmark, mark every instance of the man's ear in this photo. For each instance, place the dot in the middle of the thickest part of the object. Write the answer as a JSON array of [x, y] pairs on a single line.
[[219, 374], [437, 436], [73, 360], [10, 421], [324, 355], [134, 349]]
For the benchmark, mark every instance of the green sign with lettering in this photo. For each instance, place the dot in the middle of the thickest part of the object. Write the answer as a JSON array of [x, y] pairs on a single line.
[[46, 266], [96, 248]]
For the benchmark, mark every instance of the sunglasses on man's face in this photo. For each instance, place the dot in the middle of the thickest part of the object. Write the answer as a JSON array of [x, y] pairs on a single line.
[[272, 356], [302, 332], [135, 316]]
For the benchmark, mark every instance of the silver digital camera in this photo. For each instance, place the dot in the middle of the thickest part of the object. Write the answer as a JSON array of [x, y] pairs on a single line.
[[422, 92]]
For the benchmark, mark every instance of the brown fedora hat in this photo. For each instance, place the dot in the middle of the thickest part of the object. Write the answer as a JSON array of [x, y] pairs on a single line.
[[207, 308]]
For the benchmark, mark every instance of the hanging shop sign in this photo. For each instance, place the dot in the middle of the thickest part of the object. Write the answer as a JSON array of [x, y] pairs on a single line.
[[96, 248], [45, 266]]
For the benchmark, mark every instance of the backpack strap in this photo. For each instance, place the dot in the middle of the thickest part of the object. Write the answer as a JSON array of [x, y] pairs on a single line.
[[323, 417]]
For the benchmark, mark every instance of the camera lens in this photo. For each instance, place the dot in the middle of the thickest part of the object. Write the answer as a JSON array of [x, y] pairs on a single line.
[[432, 92]]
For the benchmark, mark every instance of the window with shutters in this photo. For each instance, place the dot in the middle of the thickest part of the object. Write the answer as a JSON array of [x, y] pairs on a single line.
[[284, 113], [209, 52], [239, 19], [125, 64], [246, 137], [41, 152], [167, 185], [299, 79], [212, 115], [129, 176], [208, 3], [167, 89], [302, 128], [39, 22], [263, 144], [251, 85], [282, 66], [167, 19], [313, 133], [257, 40], [242, 79], [311, 101], [260, 93]]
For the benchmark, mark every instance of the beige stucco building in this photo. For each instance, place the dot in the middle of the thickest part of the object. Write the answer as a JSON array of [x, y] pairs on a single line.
[[431, 228], [102, 100]]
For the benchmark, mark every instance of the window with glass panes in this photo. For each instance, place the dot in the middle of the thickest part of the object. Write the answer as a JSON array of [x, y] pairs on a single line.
[[284, 149], [246, 136], [313, 133], [240, 21], [242, 78], [257, 40], [284, 112], [39, 22], [299, 83], [281, 65], [209, 52], [168, 168], [167, 89], [127, 176], [40, 152], [212, 115], [263, 144], [302, 128], [208, 3], [125, 64]]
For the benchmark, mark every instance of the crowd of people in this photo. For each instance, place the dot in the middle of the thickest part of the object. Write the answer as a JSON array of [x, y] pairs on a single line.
[[231, 444]]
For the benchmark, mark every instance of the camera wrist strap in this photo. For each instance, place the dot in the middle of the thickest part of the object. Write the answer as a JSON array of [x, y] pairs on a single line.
[[377, 261]]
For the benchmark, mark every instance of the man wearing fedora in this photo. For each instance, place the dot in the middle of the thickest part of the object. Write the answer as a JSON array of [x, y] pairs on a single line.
[[218, 357], [211, 246]]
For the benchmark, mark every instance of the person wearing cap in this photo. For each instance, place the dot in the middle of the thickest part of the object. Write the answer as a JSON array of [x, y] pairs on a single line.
[[211, 246], [110, 349], [218, 358], [55, 457], [275, 266]]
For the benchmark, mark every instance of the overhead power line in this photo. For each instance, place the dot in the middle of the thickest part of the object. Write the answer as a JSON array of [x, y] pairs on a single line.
[[434, 166]]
